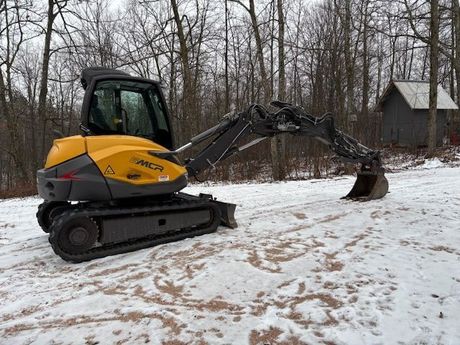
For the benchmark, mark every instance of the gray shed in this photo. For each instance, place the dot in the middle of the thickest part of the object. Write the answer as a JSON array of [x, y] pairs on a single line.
[[405, 105]]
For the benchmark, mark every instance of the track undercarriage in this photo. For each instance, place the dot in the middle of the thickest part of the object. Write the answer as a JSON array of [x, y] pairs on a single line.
[[86, 231]]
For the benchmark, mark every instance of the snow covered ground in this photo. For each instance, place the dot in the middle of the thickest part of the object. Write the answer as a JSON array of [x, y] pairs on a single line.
[[303, 266]]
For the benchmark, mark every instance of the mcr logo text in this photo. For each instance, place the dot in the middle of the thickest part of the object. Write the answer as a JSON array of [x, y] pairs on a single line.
[[146, 164]]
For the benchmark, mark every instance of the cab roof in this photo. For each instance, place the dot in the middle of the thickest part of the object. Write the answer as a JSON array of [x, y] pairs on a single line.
[[88, 74]]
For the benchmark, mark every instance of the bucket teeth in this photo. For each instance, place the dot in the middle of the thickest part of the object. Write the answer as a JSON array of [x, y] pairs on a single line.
[[368, 186]]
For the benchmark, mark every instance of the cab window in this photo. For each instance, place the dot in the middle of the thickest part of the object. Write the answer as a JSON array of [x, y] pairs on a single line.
[[134, 108], [130, 108]]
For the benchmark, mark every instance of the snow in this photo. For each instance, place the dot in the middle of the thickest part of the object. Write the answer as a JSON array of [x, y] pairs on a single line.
[[432, 163], [303, 266]]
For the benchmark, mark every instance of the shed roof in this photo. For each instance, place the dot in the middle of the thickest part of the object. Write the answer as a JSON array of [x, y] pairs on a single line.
[[416, 93]]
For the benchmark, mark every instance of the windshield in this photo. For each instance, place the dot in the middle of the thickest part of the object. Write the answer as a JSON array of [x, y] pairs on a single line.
[[131, 108]]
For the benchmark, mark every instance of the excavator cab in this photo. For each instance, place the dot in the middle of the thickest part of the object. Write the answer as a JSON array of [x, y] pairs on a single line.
[[116, 103]]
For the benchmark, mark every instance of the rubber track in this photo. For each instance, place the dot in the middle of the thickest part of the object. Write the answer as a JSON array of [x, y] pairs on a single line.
[[41, 208], [134, 244]]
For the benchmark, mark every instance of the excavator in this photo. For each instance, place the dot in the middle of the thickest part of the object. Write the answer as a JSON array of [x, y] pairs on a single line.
[[117, 187]]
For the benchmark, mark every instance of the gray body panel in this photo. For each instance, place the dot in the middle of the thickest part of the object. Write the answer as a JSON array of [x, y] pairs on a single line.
[[78, 179], [122, 190]]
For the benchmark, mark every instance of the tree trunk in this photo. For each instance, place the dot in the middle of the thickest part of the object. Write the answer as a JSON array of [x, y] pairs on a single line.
[[275, 150], [15, 150], [348, 63], [434, 51], [365, 86], [456, 45], [227, 86], [188, 95], [260, 53], [278, 143], [44, 79]]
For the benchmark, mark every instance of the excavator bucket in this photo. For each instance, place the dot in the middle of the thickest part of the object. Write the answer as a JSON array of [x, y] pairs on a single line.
[[368, 186]]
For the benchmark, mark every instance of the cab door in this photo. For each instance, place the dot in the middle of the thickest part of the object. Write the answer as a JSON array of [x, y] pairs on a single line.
[[128, 107]]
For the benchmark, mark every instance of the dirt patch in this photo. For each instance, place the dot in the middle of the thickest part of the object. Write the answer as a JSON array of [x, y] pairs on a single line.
[[298, 228], [299, 215], [332, 264], [255, 260], [81, 320], [330, 285], [285, 284], [136, 276], [168, 287], [331, 218], [376, 214], [190, 256], [24, 312], [136, 317], [289, 303], [443, 249], [356, 239], [216, 305], [175, 328], [89, 340], [299, 319], [301, 289], [327, 299], [269, 336], [353, 299], [408, 243], [330, 234], [142, 338], [173, 342], [191, 270], [108, 271], [328, 342]]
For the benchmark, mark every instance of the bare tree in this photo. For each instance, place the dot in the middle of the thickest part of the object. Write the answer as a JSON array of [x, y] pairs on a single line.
[[279, 143], [212, 57], [434, 44]]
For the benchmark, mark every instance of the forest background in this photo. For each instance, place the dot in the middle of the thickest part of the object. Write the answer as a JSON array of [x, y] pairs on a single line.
[[215, 57]]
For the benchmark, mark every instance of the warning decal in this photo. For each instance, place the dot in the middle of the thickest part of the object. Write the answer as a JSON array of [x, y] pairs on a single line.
[[163, 178], [109, 171]]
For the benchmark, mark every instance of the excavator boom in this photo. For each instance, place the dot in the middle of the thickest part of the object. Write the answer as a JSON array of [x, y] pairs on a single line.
[[257, 120]]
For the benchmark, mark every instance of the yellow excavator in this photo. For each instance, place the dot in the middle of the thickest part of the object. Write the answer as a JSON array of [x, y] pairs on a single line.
[[117, 187]]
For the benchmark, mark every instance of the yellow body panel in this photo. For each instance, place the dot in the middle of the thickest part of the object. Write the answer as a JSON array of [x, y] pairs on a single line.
[[126, 159], [118, 157], [65, 149]]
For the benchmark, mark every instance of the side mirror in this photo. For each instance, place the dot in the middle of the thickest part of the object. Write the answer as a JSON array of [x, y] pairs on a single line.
[[84, 129]]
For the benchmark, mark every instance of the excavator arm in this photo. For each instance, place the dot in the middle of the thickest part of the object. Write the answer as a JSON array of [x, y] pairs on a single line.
[[256, 120]]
